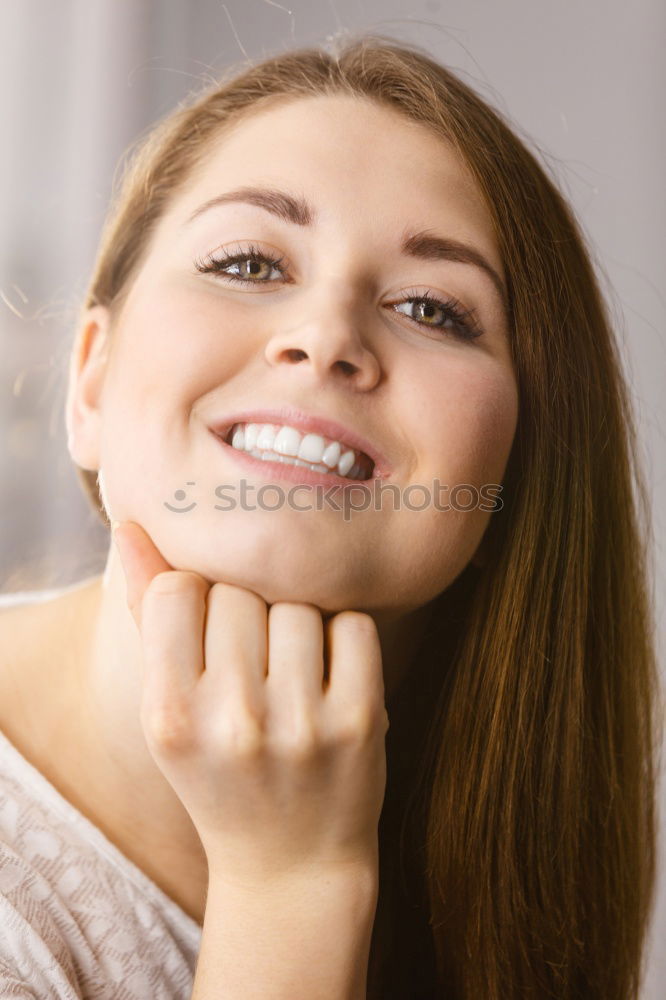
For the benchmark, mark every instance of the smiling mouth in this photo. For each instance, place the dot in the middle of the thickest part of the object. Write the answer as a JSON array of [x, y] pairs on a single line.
[[337, 460]]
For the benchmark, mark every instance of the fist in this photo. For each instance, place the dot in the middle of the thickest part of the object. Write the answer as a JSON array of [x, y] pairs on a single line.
[[268, 722]]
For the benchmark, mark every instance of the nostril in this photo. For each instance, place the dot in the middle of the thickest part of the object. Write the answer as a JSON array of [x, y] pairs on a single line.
[[347, 367]]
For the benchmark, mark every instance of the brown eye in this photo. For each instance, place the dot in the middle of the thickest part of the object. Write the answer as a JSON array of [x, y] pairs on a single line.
[[250, 267], [425, 311], [448, 316], [253, 266]]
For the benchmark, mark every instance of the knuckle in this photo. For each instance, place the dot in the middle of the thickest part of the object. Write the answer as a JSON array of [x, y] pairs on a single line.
[[386, 722], [241, 735], [223, 591], [178, 582], [360, 725], [298, 741], [168, 725], [289, 610], [354, 621], [220, 593]]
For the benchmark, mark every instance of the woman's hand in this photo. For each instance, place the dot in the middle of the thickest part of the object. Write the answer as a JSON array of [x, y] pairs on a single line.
[[268, 722]]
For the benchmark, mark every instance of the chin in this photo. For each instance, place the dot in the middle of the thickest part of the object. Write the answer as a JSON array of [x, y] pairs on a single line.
[[258, 566]]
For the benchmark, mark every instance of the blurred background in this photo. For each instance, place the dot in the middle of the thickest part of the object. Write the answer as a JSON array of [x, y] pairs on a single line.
[[582, 81]]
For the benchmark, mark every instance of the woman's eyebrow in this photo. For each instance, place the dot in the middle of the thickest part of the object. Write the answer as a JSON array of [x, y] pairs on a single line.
[[429, 247], [285, 206], [299, 212]]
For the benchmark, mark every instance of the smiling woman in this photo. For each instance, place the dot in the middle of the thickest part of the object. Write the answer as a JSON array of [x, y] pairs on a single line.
[[331, 325], [342, 274]]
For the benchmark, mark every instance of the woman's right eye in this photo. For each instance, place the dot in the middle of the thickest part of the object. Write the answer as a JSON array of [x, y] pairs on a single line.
[[249, 262]]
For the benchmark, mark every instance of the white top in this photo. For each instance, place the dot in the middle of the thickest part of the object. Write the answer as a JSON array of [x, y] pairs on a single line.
[[78, 919]]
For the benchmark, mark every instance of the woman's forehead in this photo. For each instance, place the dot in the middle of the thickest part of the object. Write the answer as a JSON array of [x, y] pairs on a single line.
[[345, 156], [338, 133]]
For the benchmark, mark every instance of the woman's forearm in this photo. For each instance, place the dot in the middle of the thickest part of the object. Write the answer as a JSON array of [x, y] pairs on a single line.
[[306, 939]]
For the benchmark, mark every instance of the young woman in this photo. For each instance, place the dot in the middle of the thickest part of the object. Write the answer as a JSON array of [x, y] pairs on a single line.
[[331, 724]]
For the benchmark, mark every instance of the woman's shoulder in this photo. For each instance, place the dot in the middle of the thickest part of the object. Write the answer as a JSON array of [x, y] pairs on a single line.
[[36, 630], [76, 914], [25, 614], [26, 604], [34, 946], [25, 618], [16, 598]]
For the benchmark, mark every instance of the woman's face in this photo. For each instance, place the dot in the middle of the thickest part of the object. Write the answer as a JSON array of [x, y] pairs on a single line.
[[336, 331]]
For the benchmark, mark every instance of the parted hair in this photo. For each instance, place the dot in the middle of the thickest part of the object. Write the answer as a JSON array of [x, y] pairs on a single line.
[[517, 838]]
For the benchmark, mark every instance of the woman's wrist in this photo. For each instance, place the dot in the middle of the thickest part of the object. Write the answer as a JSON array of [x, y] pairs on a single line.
[[306, 936]]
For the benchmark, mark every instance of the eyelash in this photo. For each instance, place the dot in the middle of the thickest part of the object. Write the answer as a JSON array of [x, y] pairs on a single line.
[[466, 326]]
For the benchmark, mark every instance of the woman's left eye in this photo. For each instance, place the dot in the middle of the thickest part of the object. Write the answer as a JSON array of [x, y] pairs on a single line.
[[453, 318], [450, 317]]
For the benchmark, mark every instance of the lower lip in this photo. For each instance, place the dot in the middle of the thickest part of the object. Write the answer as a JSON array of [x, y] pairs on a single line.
[[292, 473]]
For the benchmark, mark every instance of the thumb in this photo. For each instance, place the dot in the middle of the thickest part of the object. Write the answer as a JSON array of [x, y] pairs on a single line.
[[140, 559]]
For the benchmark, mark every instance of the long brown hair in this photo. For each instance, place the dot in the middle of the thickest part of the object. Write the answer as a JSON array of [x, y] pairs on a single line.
[[517, 840]]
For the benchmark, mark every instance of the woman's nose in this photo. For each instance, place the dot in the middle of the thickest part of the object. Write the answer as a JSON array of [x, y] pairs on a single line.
[[331, 345]]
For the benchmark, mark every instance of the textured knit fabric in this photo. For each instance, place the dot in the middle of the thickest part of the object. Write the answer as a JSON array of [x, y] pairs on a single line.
[[78, 919]]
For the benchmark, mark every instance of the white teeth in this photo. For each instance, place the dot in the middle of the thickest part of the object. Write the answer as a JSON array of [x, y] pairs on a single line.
[[272, 442], [331, 456], [287, 441], [251, 434], [266, 437], [311, 448], [346, 462]]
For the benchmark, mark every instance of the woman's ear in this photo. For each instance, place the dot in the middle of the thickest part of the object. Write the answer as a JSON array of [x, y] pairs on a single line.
[[87, 368]]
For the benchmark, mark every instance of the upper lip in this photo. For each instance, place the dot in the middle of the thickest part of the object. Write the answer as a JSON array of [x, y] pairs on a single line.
[[309, 422]]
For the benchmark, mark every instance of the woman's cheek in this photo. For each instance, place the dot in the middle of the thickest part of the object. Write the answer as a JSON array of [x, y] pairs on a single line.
[[483, 427], [166, 329]]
